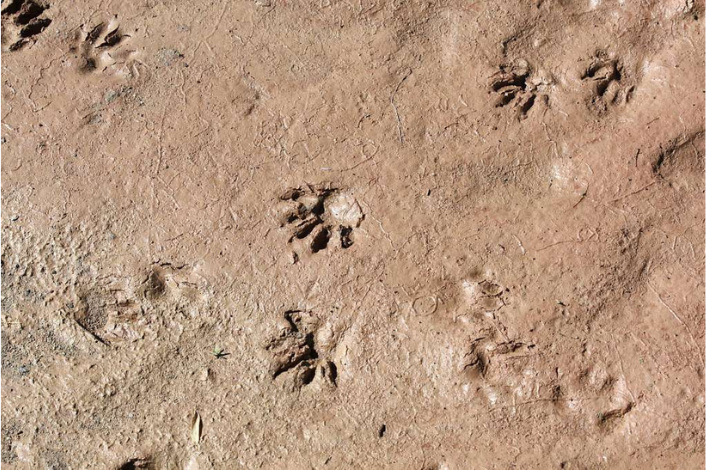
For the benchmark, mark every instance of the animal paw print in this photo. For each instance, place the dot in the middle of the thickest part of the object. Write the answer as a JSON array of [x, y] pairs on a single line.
[[102, 49], [488, 351], [516, 86], [484, 298], [612, 398], [315, 215], [120, 312], [609, 87], [22, 20], [109, 318], [294, 352]]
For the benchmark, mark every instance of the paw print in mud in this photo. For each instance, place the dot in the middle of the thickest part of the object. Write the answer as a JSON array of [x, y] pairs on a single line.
[[297, 351], [314, 216], [22, 21], [102, 49], [607, 80], [518, 87]]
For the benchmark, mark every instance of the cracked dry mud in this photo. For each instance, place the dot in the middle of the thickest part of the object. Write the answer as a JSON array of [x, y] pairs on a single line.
[[375, 234]]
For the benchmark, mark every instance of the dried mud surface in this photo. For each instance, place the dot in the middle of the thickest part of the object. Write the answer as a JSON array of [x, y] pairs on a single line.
[[352, 234]]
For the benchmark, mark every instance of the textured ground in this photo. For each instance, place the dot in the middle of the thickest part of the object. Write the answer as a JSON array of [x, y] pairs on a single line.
[[353, 234]]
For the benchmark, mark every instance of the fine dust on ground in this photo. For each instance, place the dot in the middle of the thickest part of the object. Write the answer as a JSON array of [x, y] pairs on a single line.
[[425, 234]]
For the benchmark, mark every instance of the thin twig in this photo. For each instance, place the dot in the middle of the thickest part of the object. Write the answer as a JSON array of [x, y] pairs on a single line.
[[394, 106], [678, 319]]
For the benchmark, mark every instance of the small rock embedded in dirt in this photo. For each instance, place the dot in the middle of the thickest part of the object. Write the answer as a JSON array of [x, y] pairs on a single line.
[[167, 57], [346, 210]]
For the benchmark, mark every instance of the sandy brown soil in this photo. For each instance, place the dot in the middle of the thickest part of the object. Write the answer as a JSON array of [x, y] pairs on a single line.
[[353, 234]]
